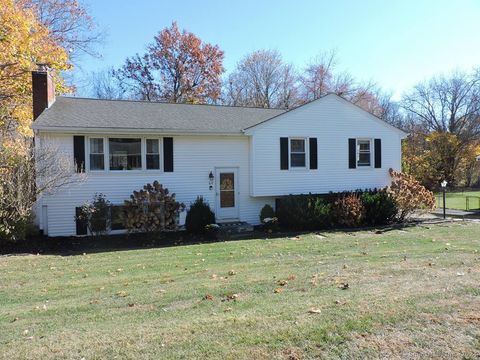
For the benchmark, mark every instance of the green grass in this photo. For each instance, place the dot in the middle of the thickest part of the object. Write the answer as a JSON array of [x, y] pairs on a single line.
[[413, 293], [457, 200]]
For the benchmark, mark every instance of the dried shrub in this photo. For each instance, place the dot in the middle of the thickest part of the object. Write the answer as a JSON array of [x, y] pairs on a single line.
[[409, 194], [348, 210], [152, 209]]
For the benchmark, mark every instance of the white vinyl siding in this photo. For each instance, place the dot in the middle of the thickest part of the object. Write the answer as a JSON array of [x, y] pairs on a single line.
[[332, 121], [194, 158]]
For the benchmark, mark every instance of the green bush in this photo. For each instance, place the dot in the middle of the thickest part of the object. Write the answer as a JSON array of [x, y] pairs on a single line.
[[266, 212], [380, 207], [304, 212], [96, 214], [344, 209], [199, 216]]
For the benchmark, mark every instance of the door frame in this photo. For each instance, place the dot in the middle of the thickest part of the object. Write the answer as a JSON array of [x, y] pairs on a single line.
[[235, 170]]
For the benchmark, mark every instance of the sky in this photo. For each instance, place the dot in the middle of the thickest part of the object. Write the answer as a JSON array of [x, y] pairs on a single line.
[[394, 43]]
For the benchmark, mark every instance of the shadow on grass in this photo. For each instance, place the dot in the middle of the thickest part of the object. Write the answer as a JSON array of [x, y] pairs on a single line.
[[67, 246]]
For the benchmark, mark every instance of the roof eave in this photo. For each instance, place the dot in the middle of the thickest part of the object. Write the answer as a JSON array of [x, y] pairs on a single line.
[[117, 130]]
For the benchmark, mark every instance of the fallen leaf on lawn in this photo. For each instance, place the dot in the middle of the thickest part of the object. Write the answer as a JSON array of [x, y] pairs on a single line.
[[213, 276], [291, 277], [122, 293], [25, 332], [460, 274], [314, 280], [344, 286], [314, 311], [278, 290], [208, 297], [232, 272], [227, 310], [229, 297], [94, 301], [282, 282], [132, 305]]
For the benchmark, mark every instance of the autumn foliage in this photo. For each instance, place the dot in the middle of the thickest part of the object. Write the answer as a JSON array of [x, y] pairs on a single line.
[[409, 194], [177, 67], [348, 210], [24, 42]]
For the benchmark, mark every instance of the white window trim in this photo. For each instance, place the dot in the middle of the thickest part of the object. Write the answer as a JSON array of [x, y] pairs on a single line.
[[106, 154], [307, 155], [87, 160], [160, 153], [357, 146]]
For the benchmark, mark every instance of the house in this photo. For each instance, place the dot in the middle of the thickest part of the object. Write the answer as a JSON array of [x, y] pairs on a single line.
[[237, 158]]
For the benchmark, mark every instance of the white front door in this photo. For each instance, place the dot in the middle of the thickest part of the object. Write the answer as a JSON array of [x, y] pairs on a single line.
[[226, 193]]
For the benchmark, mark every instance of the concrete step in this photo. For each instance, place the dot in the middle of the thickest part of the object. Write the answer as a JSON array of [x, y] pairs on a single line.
[[236, 227]]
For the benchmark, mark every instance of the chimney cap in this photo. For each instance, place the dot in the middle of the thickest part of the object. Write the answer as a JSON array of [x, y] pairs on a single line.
[[42, 67]]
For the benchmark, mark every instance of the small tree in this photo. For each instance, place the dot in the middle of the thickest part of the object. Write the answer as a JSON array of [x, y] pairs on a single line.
[[409, 194], [96, 215], [199, 216], [152, 209], [26, 174]]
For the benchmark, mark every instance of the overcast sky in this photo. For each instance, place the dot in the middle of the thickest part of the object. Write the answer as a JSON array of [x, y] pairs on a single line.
[[394, 43]]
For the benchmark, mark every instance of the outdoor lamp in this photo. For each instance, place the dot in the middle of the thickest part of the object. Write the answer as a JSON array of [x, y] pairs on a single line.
[[210, 180], [444, 186]]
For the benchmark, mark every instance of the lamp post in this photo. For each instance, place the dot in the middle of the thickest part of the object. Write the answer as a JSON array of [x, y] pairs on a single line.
[[444, 186]]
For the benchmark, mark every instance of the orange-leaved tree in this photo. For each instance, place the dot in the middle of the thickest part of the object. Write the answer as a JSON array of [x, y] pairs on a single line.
[[24, 43]]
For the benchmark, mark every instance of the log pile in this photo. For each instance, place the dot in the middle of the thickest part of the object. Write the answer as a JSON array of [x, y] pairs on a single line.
[[152, 209]]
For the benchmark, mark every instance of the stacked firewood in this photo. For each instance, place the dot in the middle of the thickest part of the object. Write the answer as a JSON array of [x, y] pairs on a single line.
[[152, 209]]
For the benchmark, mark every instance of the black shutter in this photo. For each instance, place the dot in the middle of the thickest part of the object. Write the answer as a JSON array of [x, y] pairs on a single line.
[[313, 153], [283, 153], [81, 225], [378, 153], [168, 154], [352, 153], [79, 153]]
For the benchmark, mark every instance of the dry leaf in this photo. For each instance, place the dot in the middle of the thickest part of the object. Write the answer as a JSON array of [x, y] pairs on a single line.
[[278, 290], [314, 311], [208, 297]]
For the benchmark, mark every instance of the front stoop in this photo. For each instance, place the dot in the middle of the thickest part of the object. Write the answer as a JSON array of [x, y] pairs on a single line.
[[236, 227]]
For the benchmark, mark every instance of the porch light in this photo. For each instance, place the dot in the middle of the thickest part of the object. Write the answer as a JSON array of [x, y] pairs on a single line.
[[210, 180]]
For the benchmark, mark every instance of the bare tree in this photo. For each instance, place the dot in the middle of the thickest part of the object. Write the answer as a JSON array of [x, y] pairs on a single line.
[[69, 25], [26, 173], [104, 85], [447, 104], [262, 79]]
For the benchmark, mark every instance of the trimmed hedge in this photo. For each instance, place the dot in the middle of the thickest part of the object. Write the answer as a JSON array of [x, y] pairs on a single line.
[[346, 209]]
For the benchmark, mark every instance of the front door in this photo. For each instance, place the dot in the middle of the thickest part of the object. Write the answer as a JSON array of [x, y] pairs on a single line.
[[226, 193]]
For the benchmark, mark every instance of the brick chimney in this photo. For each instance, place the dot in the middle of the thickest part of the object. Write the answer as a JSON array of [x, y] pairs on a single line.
[[43, 89]]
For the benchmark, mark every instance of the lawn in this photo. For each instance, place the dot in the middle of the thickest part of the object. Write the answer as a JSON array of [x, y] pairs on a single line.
[[411, 293], [457, 200]]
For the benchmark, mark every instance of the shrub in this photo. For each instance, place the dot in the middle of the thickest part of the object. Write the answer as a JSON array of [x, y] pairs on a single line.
[[348, 210], [266, 212], [199, 216], [95, 214], [380, 207], [409, 194], [304, 212], [152, 209]]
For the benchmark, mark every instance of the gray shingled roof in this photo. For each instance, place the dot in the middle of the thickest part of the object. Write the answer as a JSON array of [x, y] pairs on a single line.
[[80, 113]]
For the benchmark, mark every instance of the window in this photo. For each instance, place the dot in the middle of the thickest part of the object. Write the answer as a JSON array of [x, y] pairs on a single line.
[[363, 156], [97, 154], [125, 154], [116, 217], [153, 154], [297, 153]]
